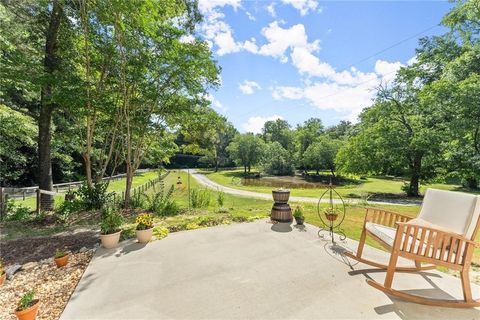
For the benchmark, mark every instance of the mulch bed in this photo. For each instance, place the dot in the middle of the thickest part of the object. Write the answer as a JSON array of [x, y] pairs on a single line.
[[52, 285], [25, 250]]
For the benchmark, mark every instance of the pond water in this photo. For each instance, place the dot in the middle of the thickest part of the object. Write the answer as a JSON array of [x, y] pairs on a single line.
[[288, 182]]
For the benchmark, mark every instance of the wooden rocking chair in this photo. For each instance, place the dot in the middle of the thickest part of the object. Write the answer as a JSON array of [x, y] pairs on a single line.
[[443, 234]]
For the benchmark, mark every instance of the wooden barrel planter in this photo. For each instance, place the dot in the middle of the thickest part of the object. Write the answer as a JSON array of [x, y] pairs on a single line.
[[281, 196], [281, 212]]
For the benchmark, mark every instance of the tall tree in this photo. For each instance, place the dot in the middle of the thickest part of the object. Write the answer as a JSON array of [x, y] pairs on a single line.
[[279, 131], [246, 150]]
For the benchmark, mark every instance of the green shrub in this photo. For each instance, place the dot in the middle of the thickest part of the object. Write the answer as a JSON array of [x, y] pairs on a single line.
[[200, 198], [161, 204], [298, 213], [111, 220], [94, 197], [170, 208], [138, 200], [16, 212], [67, 208]]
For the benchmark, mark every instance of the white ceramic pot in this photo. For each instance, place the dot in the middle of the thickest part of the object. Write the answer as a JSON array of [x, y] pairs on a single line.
[[110, 241], [144, 236]]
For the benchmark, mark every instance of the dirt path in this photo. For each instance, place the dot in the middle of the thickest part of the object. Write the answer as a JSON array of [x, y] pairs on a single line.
[[205, 181]]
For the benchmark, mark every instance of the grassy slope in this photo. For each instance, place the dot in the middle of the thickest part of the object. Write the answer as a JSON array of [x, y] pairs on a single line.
[[117, 185]]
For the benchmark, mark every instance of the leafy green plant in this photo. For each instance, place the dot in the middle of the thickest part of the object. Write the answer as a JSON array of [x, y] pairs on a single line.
[[17, 212], [94, 197], [170, 208], [200, 198], [298, 212], [59, 253], [26, 301], [67, 208], [221, 198], [111, 220], [138, 200]]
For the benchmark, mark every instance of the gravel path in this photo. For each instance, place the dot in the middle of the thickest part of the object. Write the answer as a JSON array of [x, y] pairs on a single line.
[[205, 181]]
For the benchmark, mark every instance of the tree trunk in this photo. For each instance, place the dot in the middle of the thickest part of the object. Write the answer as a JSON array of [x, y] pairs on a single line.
[[47, 106], [416, 169], [249, 168], [128, 186], [333, 173], [245, 169]]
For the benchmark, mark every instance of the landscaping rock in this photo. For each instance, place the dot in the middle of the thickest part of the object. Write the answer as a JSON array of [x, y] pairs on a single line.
[[12, 269], [29, 265], [82, 249]]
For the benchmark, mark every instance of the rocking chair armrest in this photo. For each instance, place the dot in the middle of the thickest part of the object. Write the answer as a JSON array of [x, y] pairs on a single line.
[[432, 244], [384, 217]]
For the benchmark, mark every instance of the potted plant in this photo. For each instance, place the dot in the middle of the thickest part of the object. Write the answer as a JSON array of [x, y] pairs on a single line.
[[144, 229], [61, 258], [110, 227], [27, 308], [331, 214], [3, 274], [298, 215]]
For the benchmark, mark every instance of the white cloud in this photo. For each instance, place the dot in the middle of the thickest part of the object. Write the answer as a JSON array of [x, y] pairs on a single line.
[[412, 60], [250, 16], [303, 6], [255, 124], [293, 93], [216, 104], [280, 39], [271, 9], [187, 38], [346, 92], [210, 5], [248, 87], [387, 70]]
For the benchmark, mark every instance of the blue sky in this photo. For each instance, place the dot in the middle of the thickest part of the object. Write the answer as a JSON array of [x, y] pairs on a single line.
[[296, 59]]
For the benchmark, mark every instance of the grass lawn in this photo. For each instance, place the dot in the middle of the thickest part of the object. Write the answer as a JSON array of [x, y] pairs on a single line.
[[235, 208], [233, 179], [117, 186]]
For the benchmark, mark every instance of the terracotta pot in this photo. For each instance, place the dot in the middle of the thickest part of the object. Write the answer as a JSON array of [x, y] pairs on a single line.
[[30, 313], [331, 217], [111, 240], [3, 277], [62, 261], [144, 236]]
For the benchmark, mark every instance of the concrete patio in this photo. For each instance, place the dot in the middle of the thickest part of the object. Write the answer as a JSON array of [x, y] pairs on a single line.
[[249, 271]]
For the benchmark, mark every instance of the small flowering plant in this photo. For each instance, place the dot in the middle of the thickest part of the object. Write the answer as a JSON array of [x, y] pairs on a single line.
[[144, 221]]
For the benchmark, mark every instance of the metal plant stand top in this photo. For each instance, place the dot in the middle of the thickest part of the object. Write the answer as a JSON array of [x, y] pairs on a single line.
[[331, 215]]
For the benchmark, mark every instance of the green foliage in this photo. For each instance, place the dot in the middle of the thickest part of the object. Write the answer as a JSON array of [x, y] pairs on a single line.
[[17, 212], [221, 198], [160, 203], [246, 150], [276, 160], [200, 198], [26, 301], [59, 253], [94, 197], [68, 208], [111, 220], [321, 154], [278, 131], [298, 212]]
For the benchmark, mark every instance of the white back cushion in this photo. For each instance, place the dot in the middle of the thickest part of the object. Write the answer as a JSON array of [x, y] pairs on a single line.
[[450, 210]]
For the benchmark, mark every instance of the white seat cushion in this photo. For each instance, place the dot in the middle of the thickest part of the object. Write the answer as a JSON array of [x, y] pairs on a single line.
[[450, 211], [386, 234]]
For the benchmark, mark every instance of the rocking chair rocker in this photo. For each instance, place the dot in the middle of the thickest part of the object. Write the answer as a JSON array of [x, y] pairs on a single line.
[[443, 234]]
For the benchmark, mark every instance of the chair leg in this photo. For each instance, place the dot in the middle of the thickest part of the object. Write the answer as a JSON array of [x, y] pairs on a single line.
[[467, 291], [361, 243], [418, 264], [391, 268]]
